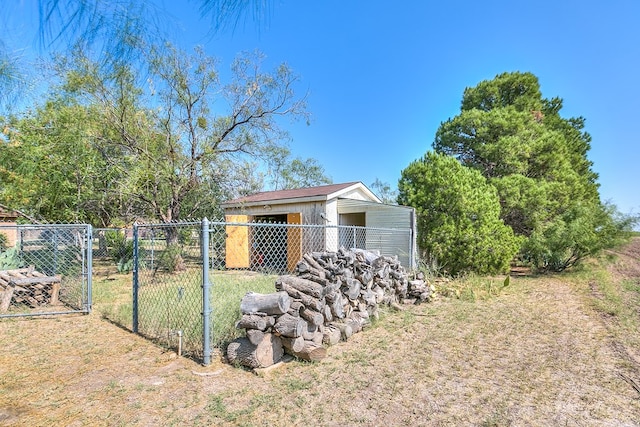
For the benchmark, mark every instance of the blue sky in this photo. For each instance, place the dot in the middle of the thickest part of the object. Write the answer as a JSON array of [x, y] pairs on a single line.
[[381, 76]]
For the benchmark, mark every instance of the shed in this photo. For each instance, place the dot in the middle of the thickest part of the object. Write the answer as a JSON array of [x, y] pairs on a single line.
[[349, 214], [8, 223]]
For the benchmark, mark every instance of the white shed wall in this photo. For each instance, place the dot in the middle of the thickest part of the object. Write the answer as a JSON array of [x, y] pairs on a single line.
[[378, 215]]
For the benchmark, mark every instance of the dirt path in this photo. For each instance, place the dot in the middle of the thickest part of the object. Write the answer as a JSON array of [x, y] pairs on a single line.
[[537, 355]]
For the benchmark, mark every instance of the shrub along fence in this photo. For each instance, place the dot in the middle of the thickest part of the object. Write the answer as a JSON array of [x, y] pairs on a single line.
[[188, 278], [45, 269]]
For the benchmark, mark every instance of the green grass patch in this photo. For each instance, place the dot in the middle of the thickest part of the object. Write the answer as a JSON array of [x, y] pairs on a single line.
[[226, 293], [112, 298], [170, 305], [604, 294]]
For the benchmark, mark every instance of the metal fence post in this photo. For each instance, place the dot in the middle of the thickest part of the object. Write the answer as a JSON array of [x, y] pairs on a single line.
[[136, 260], [89, 255], [206, 305], [55, 251]]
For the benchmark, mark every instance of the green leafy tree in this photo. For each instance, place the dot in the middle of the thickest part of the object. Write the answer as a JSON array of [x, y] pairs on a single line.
[[384, 192], [458, 216], [176, 158], [12, 78], [110, 147], [581, 231], [507, 131], [537, 161], [113, 29], [301, 173], [287, 173], [50, 167]]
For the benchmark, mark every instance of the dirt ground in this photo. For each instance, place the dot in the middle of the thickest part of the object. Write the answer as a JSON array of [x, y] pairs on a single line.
[[542, 353]]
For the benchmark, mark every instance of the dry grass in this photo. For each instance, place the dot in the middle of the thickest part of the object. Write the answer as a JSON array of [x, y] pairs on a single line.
[[546, 351]]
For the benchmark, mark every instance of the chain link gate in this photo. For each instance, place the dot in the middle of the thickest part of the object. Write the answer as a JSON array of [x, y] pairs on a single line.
[[45, 269], [167, 285]]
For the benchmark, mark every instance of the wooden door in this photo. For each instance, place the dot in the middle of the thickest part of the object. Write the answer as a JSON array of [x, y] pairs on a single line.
[[237, 242], [294, 241]]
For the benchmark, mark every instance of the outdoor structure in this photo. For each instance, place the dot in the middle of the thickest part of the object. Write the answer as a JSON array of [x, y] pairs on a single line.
[[348, 215], [8, 223]]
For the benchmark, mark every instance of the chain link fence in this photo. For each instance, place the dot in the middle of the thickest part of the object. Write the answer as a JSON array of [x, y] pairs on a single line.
[[45, 269], [191, 306], [167, 285], [177, 299]]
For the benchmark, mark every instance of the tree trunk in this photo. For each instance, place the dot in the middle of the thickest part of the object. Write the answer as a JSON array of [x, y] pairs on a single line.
[[310, 352], [293, 344], [352, 289], [327, 314], [303, 285], [314, 278], [305, 299], [345, 330], [336, 304], [317, 338], [253, 321], [331, 335], [6, 298], [321, 272], [102, 244], [289, 326], [312, 316], [308, 332], [171, 257], [295, 307], [255, 336], [274, 303], [266, 353]]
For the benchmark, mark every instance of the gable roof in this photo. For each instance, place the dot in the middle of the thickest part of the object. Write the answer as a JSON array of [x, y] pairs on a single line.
[[322, 192]]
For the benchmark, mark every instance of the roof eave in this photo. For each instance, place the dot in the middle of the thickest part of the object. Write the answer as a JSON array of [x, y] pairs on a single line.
[[304, 199], [275, 202]]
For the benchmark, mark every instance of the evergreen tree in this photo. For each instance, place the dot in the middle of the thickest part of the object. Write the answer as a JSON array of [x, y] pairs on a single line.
[[458, 216], [537, 161]]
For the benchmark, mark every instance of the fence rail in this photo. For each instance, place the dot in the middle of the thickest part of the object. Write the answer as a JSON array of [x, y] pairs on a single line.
[[45, 269]]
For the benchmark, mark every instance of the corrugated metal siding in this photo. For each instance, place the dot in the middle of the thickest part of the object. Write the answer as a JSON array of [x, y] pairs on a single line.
[[386, 216], [391, 244], [378, 215]]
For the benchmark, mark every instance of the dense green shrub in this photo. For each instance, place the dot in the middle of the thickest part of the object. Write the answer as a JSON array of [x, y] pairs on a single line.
[[458, 216], [171, 259], [583, 230], [120, 250], [537, 161]]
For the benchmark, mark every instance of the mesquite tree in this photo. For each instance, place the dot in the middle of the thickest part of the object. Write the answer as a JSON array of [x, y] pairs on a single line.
[[172, 141]]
